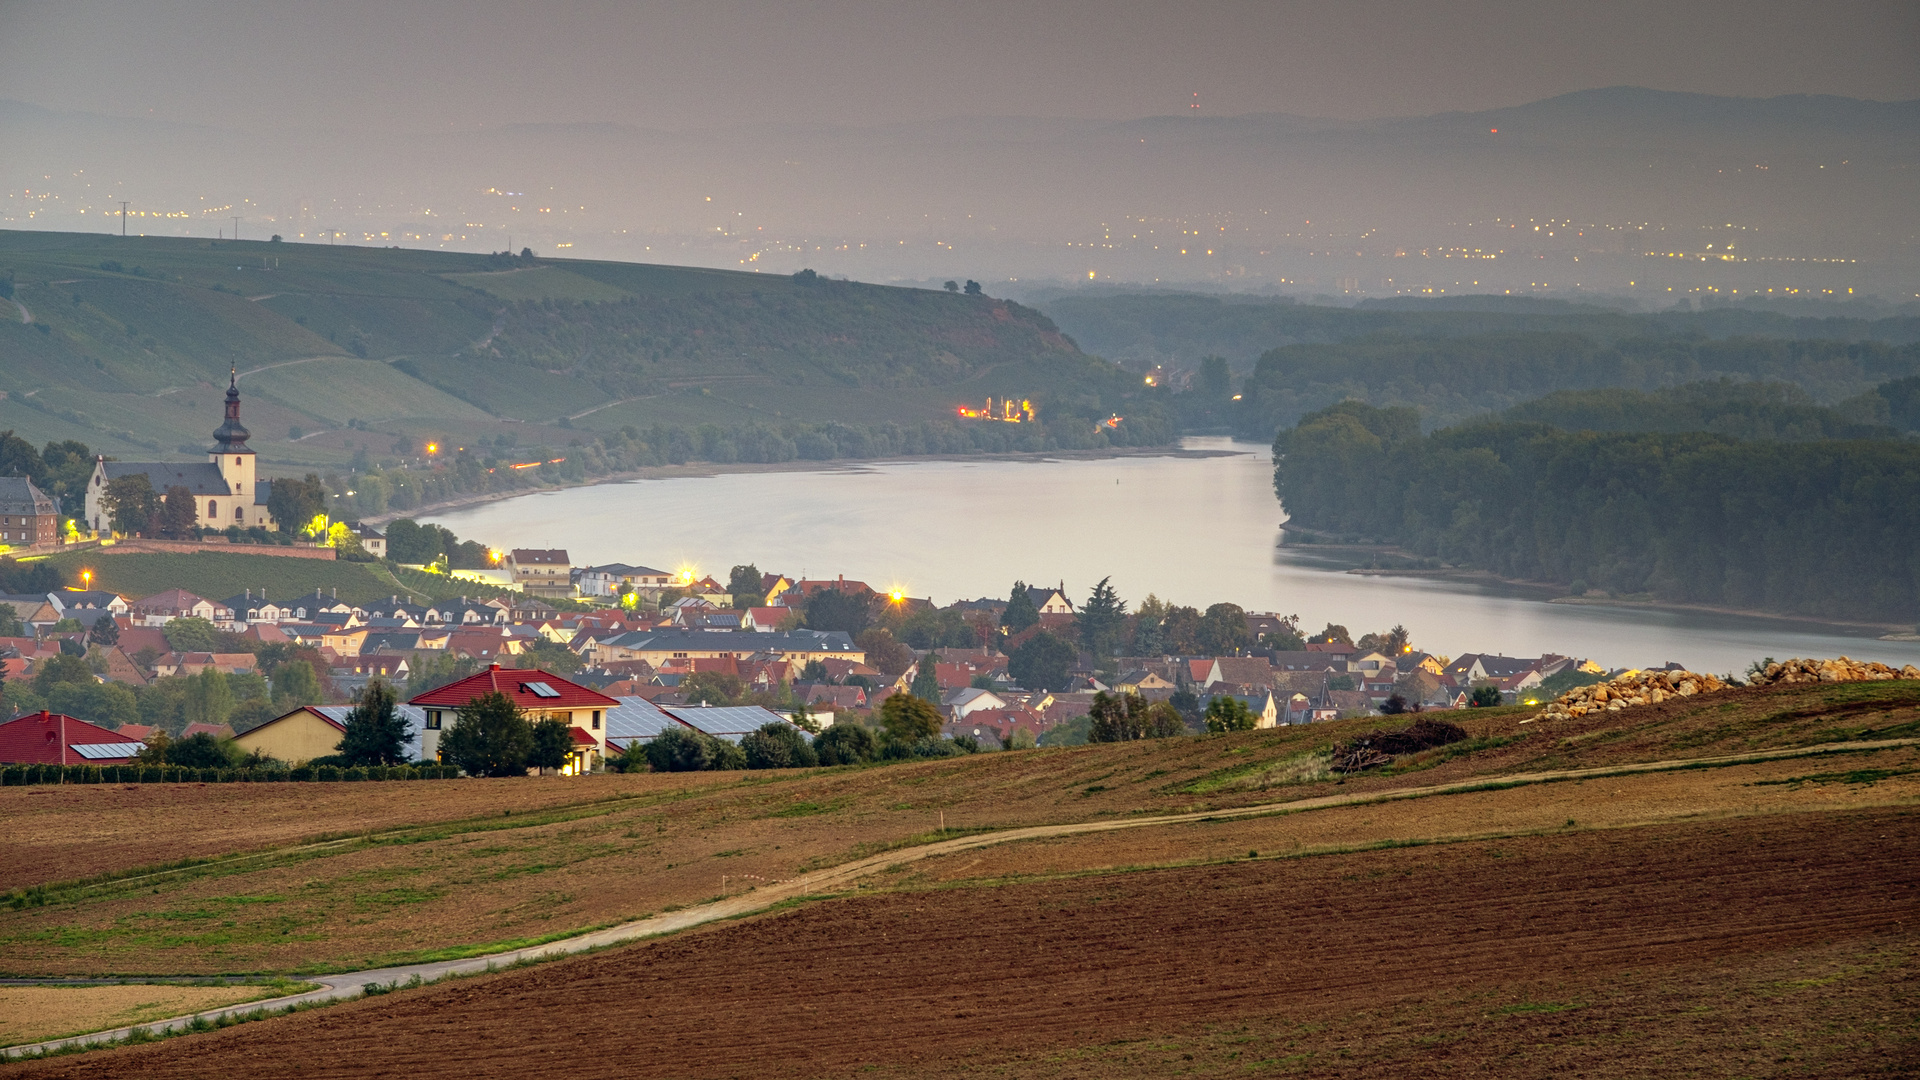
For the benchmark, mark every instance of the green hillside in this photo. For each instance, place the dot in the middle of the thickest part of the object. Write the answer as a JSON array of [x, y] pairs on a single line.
[[220, 575], [124, 343]]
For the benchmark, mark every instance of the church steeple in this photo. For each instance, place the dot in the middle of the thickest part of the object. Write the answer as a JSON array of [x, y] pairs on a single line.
[[231, 436]]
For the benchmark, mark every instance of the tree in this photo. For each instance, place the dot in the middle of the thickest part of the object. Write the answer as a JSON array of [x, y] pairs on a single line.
[[376, 732], [1286, 638], [907, 718], [55, 670], [1229, 714], [189, 633], [814, 671], [1223, 630], [1486, 695], [197, 751], [744, 583], [951, 286], [110, 705], [1102, 620], [554, 657], [208, 698], [105, 632], [1214, 380], [1042, 662], [778, 746], [832, 609], [489, 737], [926, 679], [1392, 642], [10, 624], [973, 287], [179, 516], [844, 744], [1394, 705], [295, 684], [712, 687], [35, 577], [293, 504], [19, 458], [687, 750], [552, 742], [1180, 630], [1020, 612], [1147, 637], [804, 720], [884, 652], [131, 504], [1116, 718], [1332, 634]]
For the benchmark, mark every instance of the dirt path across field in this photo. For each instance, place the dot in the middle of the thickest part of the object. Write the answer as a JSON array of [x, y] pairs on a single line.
[[769, 894], [1502, 957]]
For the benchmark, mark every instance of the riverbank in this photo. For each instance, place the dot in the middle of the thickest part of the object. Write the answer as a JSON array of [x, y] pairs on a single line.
[[1555, 593], [704, 469]]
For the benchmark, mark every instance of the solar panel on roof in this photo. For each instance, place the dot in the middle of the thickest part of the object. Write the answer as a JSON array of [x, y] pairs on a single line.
[[540, 689], [98, 751]]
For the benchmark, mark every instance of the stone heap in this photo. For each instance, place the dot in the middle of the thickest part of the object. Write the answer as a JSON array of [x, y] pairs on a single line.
[[1640, 688], [1842, 670]]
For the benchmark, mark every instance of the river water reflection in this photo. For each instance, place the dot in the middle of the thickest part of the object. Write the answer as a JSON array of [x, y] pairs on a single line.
[[1193, 530]]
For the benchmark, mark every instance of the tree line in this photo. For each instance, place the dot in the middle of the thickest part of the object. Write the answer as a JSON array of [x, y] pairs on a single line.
[[1821, 527]]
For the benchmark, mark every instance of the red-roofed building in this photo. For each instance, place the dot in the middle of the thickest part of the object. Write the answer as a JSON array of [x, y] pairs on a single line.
[[218, 731], [136, 732], [539, 694], [45, 738]]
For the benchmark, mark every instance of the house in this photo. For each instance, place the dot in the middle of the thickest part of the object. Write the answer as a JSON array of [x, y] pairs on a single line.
[[830, 696], [613, 579], [1250, 671], [1142, 681], [729, 722], [313, 731], [1050, 601], [372, 540], [162, 608], [249, 609], [764, 620], [226, 492], [1507, 672], [37, 610], [73, 601], [540, 696], [316, 603], [193, 663], [541, 571], [218, 731], [1202, 671], [45, 738], [959, 703], [28, 517], [1306, 661]]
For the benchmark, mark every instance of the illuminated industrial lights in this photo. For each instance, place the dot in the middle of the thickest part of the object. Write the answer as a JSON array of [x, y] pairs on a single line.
[[1009, 413]]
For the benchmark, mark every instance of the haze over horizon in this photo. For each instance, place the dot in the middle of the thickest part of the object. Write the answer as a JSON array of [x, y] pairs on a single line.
[[1022, 145]]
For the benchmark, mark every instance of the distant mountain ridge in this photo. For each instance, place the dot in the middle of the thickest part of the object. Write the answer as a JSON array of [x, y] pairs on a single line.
[[1825, 187]]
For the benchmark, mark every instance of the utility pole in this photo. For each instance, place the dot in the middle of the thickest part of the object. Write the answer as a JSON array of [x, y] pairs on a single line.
[[236, 228], [123, 219]]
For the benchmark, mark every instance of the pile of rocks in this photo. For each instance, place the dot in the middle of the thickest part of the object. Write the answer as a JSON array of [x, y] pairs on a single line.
[[1841, 670], [1640, 688]]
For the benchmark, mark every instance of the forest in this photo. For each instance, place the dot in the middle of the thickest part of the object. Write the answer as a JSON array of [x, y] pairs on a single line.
[[1452, 379], [1822, 527]]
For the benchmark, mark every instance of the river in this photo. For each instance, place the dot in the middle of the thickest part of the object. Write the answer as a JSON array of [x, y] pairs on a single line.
[[1191, 529]]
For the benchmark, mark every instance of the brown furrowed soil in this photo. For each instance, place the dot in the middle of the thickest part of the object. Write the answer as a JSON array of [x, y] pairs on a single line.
[[477, 886], [1769, 945]]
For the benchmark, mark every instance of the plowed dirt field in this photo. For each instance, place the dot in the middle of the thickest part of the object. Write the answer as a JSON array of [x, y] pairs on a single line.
[[1753, 946]]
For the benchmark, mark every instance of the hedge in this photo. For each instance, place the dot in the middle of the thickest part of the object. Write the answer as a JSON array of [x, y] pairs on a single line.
[[19, 775]]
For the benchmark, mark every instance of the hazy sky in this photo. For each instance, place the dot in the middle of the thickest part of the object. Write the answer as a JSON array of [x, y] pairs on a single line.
[[413, 64]]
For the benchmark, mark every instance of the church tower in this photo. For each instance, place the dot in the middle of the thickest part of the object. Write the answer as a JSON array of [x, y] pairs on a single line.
[[234, 460]]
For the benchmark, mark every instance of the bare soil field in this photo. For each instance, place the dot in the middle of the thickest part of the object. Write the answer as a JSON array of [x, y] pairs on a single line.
[[32, 1013], [1766, 945], [477, 887]]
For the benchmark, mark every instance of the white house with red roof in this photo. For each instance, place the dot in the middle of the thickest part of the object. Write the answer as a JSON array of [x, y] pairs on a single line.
[[539, 694]]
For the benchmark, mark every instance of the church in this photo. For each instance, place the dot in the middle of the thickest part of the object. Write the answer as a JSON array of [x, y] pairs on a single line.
[[225, 490]]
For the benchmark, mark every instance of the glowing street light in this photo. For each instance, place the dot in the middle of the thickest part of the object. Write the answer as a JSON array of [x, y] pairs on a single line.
[[86, 580]]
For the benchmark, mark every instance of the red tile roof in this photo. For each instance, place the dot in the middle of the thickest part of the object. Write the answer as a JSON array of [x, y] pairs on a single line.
[[48, 739], [582, 738], [513, 682]]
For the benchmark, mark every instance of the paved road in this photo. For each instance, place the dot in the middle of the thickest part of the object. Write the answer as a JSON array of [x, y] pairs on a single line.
[[353, 984]]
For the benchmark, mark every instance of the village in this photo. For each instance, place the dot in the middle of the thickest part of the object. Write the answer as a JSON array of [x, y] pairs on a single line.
[[622, 654]]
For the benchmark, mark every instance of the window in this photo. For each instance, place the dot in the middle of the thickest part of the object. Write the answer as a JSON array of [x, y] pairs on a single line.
[[433, 719], [213, 509], [596, 719]]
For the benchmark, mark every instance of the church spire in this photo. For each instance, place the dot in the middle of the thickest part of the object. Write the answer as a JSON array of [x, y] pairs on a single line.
[[231, 436]]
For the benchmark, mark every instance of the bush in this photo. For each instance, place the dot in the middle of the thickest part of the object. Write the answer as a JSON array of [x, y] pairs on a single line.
[[1229, 714], [844, 744], [686, 750], [1485, 696], [778, 745]]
